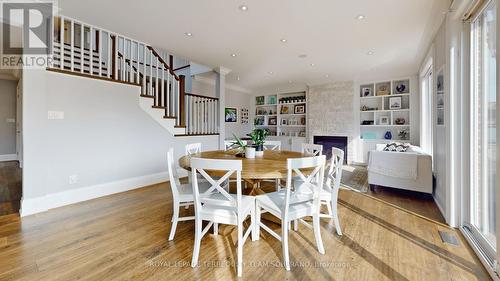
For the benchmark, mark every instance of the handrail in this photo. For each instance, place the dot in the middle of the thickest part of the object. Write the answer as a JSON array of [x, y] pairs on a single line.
[[201, 96], [182, 67], [131, 64], [164, 63]]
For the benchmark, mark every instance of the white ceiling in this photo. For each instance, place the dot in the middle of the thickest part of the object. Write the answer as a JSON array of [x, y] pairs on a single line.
[[397, 31]]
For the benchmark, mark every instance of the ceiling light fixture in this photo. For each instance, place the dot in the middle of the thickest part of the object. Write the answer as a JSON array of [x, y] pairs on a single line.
[[290, 81], [238, 78], [312, 64], [244, 8], [327, 76], [303, 56], [189, 34], [360, 17], [283, 40], [270, 72], [233, 55], [370, 53]]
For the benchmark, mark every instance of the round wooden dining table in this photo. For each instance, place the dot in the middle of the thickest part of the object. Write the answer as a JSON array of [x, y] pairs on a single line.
[[273, 165]]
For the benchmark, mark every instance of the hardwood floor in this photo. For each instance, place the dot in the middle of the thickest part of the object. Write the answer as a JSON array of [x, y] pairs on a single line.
[[10, 187], [124, 237]]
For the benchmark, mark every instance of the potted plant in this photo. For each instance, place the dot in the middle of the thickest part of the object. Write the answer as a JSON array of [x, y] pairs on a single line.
[[243, 147], [258, 137]]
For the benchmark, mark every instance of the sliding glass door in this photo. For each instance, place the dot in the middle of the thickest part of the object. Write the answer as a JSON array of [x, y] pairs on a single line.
[[482, 204]]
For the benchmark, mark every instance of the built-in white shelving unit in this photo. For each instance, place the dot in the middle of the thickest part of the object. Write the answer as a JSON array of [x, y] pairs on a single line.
[[385, 109]]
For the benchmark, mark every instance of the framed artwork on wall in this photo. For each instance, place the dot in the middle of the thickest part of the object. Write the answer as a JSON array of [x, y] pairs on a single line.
[[231, 114], [244, 116]]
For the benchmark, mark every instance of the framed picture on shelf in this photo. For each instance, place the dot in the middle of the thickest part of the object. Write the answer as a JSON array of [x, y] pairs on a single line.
[[259, 121], [259, 100], [299, 109], [402, 87], [384, 120], [231, 114], [272, 121], [440, 81], [384, 89], [395, 103], [284, 110]]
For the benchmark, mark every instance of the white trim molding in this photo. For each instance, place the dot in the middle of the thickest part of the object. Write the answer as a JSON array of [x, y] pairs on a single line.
[[31, 206], [8, 157]]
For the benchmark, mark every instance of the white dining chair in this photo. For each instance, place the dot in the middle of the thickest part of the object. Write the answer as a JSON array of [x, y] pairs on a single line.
[[272, 145], [229, 144], [330, 192], [193, 148], [290, 205], [182, 193], [312, 149], [216, 205]]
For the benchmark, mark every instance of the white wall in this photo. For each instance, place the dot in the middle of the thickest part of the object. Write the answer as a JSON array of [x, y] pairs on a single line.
[[105, 139], [7, 114], [234, 98]]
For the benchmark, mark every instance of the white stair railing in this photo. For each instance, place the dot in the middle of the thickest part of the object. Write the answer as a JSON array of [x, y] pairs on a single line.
[[201, 114]]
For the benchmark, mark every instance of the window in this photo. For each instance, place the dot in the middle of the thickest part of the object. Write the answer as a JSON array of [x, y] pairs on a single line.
[[482, 207]]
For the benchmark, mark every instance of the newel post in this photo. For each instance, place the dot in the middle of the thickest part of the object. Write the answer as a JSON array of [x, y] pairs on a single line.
[[114, 53], [182, 100]]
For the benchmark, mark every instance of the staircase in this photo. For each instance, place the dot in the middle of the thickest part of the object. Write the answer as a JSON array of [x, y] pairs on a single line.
[[85, 50]]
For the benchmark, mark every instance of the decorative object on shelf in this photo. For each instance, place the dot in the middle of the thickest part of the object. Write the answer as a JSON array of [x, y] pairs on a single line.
[[440, 81], [369, 136], [270, 112], [244, 116], [384, 120], [440, 102], [284, 122], [258, 137], [272, 121], [299, 109], [383, 89], [388, 135], [302, 121], [367, 122], [259, 121], [259, 100], [272, 100], [296, 99], [302, 134], [440, 117], [366, 92], [395, 103], [402, 86], [231, 114], [284, 109], [403, 134], [367, 108], [400, 121]]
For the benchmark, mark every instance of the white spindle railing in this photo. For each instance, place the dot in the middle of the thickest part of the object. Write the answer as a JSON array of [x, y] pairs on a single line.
[[111, 55], [201, 114]]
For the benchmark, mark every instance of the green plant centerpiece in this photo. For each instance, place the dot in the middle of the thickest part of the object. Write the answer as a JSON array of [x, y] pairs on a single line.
[[258, 137]]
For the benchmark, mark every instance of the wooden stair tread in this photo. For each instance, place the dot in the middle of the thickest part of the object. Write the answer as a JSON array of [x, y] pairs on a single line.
[[194, 135], [169, 117]]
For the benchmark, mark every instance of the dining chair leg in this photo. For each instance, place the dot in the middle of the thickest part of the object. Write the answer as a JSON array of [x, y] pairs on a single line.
[[239, 261], [317, 233], [335, 217], [197, 243], [253, 223], [284, 244], [256, 226], [329, 207], [175, 219], [216, 229]]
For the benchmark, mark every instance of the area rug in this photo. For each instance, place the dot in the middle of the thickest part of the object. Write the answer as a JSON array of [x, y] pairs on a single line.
[[355, 177]]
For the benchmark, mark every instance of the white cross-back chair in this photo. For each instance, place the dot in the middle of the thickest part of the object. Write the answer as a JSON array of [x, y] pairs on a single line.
[[182, 193], [290, 205], [312, 149], [229, 144], [272, 145], [216, 205], [193, 148], [330, 193]]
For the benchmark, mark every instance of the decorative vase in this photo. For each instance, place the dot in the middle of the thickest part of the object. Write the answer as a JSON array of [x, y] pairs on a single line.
[[388, 135], [250, 152]]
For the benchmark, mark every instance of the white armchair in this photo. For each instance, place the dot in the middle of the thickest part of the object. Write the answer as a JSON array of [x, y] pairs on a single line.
[[411, 170]]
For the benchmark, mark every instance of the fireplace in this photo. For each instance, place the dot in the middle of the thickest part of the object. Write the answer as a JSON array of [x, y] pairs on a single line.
[[330, 141]]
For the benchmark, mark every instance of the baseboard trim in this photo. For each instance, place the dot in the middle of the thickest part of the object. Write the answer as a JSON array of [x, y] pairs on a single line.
[[440, 208], [8, 157], [31, 206]]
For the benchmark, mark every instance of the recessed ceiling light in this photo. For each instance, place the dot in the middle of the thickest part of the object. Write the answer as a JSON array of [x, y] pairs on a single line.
[[283, 40], [303, 56], [189, 34], [370, 53], [327, 75], [238, 78], [243, 8], [233, 55], [360, 17], [290, 81], [270, 72], [312, 64]]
